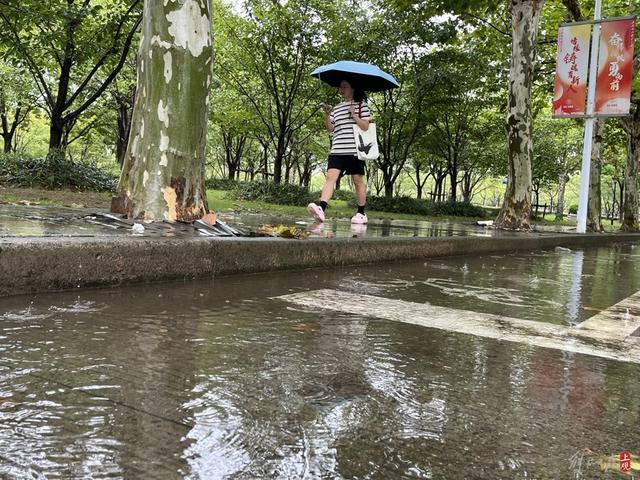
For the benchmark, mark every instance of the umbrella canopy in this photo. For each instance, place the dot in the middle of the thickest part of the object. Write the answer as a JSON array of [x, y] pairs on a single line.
[[362, 76]]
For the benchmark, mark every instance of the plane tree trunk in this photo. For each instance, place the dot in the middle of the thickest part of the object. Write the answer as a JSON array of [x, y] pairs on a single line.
[[164, 167]]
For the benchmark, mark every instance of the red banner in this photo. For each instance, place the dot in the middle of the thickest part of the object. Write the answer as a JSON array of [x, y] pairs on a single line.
[[572, 63], [615, 67]]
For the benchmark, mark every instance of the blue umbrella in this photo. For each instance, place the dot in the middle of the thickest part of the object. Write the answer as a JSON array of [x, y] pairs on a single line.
[[362, 76]]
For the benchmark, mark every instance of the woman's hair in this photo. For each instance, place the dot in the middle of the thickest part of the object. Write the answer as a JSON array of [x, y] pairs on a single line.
[[359, 95]]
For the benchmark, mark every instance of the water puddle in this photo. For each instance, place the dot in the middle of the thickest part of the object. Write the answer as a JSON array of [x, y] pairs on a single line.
[[220, 379]]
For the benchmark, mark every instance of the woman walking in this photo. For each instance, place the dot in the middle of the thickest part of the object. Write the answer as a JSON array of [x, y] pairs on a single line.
[[343, 158]]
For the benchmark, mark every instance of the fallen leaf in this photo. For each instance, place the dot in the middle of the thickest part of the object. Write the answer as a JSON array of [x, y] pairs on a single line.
[[210, 218], [303, 327], [592, 309]]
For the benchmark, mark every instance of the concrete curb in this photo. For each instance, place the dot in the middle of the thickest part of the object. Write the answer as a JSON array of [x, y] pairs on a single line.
[[42, 264]]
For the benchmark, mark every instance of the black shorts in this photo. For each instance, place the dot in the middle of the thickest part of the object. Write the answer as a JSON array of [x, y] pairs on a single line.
[[347, 164]]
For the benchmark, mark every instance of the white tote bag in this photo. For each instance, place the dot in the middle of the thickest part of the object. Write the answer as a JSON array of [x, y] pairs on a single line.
[[366, 140]]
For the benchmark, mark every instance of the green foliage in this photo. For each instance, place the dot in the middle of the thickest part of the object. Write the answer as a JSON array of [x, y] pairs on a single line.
[[447, 119], [398, 204], [423, 207], [282, 194], [457, 209], [73, 55], [222, 184], [53, 171], [263, 60], [573, 208], [345, 195]]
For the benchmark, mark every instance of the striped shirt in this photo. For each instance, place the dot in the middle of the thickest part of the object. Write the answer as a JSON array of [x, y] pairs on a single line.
[[343, 142]]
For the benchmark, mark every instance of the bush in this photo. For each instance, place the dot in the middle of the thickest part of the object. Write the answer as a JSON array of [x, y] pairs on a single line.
[[573, 208], [397, 205], [269, 192], [345, 195], [457, 209], [423, 207], [53, 171], [222, 184]]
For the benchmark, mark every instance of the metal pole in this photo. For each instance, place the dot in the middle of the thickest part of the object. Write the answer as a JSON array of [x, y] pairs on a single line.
[[588, 127]]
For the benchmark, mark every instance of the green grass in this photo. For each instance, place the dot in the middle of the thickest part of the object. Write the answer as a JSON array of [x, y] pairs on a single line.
[[551, 220], [13, 198], [64, 197]]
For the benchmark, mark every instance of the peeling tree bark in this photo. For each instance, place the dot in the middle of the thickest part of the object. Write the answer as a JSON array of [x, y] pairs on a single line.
[[631, 126], [163, 173], [562, 184], [516, 208], [630, 205], [594, 205]]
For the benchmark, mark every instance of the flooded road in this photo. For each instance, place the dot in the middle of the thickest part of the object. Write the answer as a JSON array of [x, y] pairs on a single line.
[[228, 379]]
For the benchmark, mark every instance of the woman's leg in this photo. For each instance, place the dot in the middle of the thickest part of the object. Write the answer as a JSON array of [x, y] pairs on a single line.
[[361, 189], [329, 184]]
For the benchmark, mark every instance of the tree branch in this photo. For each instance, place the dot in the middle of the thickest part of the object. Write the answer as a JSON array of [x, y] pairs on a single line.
[[487, 23], [573, 8], [112, 75], [84, 131], [33, 67], [110, 51]]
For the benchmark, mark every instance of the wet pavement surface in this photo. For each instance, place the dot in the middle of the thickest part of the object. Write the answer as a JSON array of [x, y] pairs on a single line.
[[42, 221], [231, 378]]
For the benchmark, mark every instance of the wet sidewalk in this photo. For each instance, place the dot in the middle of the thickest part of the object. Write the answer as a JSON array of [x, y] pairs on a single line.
[[44, 248], [20, 221]]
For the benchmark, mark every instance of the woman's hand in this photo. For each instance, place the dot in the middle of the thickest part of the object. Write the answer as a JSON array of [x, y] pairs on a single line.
[[326, 110], [363, 123]]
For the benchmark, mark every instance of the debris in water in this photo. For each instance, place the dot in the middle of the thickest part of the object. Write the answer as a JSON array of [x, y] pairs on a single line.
[[485, 223], [216, 229], [592, 309], [562, 250], [282, 231], [303, 328], [137, 228]]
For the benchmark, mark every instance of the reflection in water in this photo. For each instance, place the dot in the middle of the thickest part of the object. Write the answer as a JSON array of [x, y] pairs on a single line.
[[358, 230], [575, 288], [218, 380], [385, 228], [503, 296]]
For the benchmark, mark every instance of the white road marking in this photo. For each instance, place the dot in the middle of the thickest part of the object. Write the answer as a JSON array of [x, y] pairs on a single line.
[[605, 335], [619, 320]]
